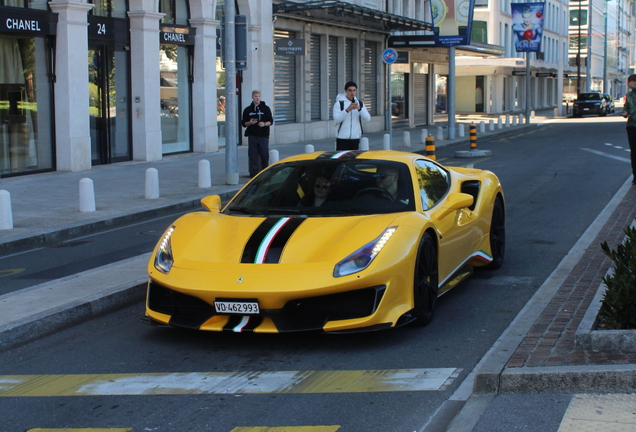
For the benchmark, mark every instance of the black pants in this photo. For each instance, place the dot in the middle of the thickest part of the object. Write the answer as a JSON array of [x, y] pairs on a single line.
[[631, 137], [258, 153], [347, 144]]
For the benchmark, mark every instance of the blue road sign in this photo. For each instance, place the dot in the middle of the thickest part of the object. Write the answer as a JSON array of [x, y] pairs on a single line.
[[389, 56]]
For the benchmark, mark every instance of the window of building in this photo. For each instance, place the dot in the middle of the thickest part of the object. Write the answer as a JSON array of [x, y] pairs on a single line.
[[26, 142], [479, 32], [370, 97], [28, 4], [174, 65], [176, 12], [284, 83], [315, 77], [481, 3], [109, 8], [574, 16], [333, 73]]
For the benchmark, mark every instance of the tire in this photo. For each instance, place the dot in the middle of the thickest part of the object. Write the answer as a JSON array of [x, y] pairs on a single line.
[[425, 282], [497, 235]]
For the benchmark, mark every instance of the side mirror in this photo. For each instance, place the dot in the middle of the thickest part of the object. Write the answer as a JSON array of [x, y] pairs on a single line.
[[211, 203], [456, 201]]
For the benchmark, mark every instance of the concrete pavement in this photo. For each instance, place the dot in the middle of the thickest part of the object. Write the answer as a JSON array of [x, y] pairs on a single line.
[[536, 354]]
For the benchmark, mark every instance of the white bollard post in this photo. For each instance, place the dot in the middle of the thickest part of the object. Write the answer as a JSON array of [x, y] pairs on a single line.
[[386, 144], [514, 120], [86, 195], [556, 112], [507, 120], [532, 114], [152, 183], [491, 125], [407, 139], [205, 178], [461, 130], [364, 144], [520, 118], [482, 127], [273, 156], [499, 123], [6, 217], [309, 148], [423, 136], [440, 133]]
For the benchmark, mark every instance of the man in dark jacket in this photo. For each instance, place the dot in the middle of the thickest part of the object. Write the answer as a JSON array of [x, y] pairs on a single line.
[[257, 118], [629, 112]]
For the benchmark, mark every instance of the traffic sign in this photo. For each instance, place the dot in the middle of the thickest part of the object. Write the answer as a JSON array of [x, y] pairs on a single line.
[[389, 56]]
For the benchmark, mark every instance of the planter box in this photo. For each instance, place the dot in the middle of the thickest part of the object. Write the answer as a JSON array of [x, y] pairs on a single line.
[[589, 338]]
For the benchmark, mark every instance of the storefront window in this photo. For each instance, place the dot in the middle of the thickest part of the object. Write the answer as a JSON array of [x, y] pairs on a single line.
[[441, 86], [25, 106], [109, 8], [175, 98]]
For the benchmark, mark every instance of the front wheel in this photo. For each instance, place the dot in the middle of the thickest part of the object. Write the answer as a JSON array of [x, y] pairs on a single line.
[[425, 286], [497, 235]]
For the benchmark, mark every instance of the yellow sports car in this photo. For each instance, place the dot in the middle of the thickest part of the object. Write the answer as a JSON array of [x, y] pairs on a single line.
[[330, 241]]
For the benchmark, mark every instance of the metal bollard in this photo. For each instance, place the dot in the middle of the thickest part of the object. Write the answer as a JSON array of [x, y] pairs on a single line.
[[152, 183], [460, 128], [309, 148], [364, 144], [507, 120], [86, 195], [386, 144], [473, 137], [482, 127], [6, 217], [273, 156], [440, 133], [499, 123], [424, 136], [205, 180], [491, 125], [407, 139], [430, 147]]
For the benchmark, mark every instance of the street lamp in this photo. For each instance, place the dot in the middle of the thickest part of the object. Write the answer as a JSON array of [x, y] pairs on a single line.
[[578, 56], [605, 48]]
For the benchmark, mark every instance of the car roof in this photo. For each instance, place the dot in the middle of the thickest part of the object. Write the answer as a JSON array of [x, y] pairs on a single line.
[[389, 155]]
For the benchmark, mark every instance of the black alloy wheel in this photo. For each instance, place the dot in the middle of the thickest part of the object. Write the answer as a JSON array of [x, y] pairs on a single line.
[[497, 235], [425, 286]]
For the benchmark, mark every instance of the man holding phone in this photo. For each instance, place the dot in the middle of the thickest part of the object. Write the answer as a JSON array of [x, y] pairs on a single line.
[[257, 118], [629, 112], [348, 114]]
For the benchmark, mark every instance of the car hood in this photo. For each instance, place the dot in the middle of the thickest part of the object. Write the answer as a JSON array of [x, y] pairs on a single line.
[[206, 241]]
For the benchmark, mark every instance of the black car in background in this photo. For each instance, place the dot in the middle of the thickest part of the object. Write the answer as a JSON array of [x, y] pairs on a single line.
[[609, 103], [589, 103]]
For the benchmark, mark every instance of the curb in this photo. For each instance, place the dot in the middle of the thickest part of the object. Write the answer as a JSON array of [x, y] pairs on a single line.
[[49, 322], [494, 377]]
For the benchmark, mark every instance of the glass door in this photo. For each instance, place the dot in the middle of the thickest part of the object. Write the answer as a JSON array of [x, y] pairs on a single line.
[[108, 71]]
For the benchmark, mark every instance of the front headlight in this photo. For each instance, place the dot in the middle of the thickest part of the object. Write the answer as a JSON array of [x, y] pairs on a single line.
[[360, 259], [163, 257]]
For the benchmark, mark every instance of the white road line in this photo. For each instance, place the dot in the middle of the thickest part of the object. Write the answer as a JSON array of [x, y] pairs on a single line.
[[622, 159]]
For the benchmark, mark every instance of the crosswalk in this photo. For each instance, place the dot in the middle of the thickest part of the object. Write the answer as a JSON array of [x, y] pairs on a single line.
[[254, 382]]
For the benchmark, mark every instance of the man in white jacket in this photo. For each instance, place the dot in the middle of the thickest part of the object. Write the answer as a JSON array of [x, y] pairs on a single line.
[[348, 114]]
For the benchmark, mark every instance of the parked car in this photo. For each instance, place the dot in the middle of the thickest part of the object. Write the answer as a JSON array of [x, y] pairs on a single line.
[[589, 103], [391, 232], [609, 103]]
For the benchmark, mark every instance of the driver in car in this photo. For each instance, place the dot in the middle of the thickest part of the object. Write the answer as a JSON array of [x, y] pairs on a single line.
[[387, 179]]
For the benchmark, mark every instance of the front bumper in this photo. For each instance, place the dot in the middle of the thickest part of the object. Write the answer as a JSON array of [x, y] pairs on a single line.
[[177, 309]]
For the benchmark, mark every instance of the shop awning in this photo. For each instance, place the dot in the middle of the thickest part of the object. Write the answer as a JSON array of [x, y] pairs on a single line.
[[343, 14]]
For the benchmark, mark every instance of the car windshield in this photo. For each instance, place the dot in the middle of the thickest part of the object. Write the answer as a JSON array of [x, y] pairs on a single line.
[[584, 97], [327, 187]]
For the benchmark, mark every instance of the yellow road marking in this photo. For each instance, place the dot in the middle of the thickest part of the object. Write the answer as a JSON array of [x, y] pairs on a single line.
[[607, 413], [287, 429], [11, 272], [256, 382], [80, 430]]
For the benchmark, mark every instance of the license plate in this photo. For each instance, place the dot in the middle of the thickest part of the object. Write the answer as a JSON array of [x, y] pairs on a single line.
[[586, 109], [237, 307]]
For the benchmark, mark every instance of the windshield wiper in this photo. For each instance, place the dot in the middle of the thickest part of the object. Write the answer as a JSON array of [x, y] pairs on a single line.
[[284, 210], [244, 210]]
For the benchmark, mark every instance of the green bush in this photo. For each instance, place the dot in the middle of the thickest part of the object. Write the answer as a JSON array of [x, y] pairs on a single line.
[[618, 310]]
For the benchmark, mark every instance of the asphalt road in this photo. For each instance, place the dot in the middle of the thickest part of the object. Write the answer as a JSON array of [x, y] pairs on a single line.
[[557, 178]]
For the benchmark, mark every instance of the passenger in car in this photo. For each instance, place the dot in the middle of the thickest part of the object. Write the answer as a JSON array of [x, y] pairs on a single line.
[[321, 189]]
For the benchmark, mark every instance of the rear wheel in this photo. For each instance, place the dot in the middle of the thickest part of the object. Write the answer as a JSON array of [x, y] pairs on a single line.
[[426, 282], [497, 234]]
